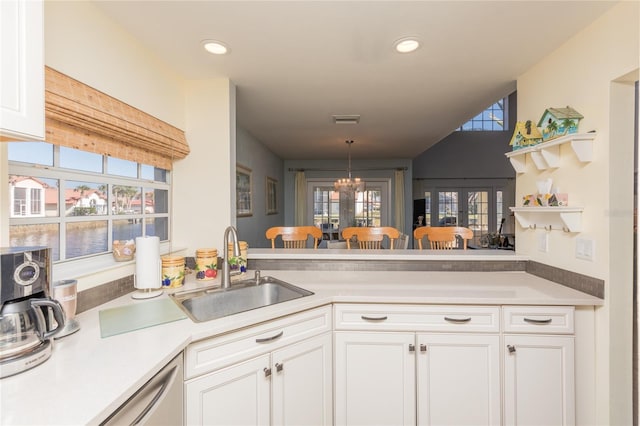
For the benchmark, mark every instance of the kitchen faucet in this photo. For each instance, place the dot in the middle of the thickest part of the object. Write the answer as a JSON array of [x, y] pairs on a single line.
[[235, 252]]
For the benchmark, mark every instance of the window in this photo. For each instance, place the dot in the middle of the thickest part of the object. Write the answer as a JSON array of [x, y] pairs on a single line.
[[492, 119], [368, 208], [81, 202]]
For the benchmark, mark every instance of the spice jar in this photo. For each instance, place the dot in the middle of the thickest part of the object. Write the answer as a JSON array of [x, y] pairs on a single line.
[[238, 263], [172, 271], [206, 264]]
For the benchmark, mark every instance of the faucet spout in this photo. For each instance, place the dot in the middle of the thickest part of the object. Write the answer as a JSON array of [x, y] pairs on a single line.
[[226, 273]]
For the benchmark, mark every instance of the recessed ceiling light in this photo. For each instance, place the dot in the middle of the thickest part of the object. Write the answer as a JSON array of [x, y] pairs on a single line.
[[215, 47], [407, 44]]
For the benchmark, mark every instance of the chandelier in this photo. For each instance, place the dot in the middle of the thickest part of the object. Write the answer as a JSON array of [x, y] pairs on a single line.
[[349, 184]]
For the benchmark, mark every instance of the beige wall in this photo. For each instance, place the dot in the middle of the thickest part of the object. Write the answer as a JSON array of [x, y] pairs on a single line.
[[585, 73], [83, 43]]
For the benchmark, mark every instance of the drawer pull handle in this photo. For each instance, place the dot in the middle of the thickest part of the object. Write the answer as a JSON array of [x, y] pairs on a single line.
[[537, 321], [366, 318], [268, 339], [457, 319]]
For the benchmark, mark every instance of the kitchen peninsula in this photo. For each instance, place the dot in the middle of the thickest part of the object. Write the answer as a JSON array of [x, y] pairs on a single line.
[[88, 377]]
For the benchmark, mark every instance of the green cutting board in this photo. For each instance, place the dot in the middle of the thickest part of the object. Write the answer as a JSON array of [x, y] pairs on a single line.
[[137, 316]]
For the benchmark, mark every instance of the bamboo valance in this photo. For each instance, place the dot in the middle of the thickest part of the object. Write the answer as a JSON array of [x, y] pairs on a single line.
[[81, 117]]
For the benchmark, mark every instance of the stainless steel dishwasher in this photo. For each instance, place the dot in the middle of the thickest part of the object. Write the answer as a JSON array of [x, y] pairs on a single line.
[[157, 402]]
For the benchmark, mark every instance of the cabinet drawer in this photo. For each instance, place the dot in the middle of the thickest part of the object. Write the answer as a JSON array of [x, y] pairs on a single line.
[[417, 318], [538, 319], [211, 354]]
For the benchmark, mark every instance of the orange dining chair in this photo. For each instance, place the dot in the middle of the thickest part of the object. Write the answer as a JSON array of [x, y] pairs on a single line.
[[370, 237], [443, 237], [294, 236]]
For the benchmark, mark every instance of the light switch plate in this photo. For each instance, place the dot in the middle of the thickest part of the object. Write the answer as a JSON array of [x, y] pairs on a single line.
[[543, 242], [585, 249]]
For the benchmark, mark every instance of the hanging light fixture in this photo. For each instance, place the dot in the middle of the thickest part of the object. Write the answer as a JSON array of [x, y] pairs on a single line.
[[349, 184]]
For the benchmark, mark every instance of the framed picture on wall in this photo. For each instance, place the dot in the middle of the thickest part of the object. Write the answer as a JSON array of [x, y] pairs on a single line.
[[272, 196], [243, 191]]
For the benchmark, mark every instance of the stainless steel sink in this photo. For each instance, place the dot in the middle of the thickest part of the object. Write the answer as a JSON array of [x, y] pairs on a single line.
[[213, 302]]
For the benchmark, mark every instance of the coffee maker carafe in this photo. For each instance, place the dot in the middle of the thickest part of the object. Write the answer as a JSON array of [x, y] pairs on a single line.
[[26, 310]]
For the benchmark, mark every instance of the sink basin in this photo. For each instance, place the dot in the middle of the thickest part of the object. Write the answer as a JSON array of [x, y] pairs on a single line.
[[213, 302]]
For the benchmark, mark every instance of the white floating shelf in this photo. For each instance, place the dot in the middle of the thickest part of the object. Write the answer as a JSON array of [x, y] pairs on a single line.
[[546, 155], [568, 219]]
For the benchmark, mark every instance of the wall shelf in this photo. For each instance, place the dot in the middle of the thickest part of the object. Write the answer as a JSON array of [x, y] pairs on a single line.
[[568, 219], [546, 155]]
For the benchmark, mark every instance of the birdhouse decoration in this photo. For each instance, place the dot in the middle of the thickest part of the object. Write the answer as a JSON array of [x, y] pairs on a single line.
[[525, 135], [556, 122]]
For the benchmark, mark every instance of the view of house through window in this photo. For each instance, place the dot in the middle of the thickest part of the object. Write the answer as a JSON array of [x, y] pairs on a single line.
[[492, 119], [82, 202]]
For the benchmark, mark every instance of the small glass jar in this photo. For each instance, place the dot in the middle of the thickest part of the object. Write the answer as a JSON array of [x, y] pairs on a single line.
[[172, 271], [206, 264], [238, 263]]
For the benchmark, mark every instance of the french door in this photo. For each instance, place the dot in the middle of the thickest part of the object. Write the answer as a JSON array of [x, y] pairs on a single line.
[[477, 208]]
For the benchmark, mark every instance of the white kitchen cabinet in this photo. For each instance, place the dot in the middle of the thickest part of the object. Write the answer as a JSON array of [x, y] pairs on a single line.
[[22, 75], [236, 395], [375, 378], [302, 383], [389, 376], [458, 379], [279, 372], [539, 377]]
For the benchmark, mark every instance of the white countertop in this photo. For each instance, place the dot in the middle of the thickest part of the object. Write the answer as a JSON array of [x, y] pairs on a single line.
[[88, 377]]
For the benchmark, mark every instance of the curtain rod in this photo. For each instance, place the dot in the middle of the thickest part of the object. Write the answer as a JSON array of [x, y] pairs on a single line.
[[312, 169]]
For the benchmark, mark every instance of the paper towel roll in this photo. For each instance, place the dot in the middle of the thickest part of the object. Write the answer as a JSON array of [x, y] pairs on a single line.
[[148, 263]]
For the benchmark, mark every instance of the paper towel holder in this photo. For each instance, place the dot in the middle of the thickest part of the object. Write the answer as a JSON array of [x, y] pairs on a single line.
[[148, 276]]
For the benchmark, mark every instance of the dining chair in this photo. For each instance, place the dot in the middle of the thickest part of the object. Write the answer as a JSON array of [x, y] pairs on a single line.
[[294, 237], [443, 237], [370, 237]]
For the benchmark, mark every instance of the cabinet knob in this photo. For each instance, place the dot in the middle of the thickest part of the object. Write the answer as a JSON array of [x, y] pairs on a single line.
[[412, 347], [279, 367], [267, 372], [423, 347], [511, 348]]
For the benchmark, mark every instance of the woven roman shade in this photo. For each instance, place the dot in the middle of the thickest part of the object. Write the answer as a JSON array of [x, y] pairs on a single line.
[[81, 117]]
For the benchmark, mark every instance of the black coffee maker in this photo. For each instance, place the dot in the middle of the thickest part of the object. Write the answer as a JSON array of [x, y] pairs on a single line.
[[27, 310]]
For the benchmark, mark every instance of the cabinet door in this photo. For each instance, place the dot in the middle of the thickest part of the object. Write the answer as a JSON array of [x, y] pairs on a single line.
[[237, 395], [22, 81], [458, 379], [375, 378], [302, 387], [539, 380]]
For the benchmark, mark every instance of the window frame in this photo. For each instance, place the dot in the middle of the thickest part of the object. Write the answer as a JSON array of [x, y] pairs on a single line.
[[489, 110], [89, 263]]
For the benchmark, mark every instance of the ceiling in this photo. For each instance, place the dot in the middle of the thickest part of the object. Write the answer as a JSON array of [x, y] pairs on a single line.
[[297, 63]]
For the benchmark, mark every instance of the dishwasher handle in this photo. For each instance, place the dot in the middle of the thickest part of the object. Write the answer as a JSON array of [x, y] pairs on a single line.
[[158, 392], [167, 381]]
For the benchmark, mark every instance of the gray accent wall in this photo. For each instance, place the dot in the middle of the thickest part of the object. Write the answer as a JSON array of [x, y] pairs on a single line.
[[252, 154]]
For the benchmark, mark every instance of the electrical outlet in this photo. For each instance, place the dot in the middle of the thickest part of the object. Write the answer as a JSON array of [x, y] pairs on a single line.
[[585, 248], [543, 242]]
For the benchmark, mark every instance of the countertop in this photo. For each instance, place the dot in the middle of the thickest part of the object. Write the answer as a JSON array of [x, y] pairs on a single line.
[[88, 377]]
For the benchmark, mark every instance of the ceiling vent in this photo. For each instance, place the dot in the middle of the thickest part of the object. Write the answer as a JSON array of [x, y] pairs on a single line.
[[346, 119]]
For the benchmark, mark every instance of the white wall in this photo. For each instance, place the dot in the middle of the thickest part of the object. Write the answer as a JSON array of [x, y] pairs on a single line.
[[202, 190], [581, 74]]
